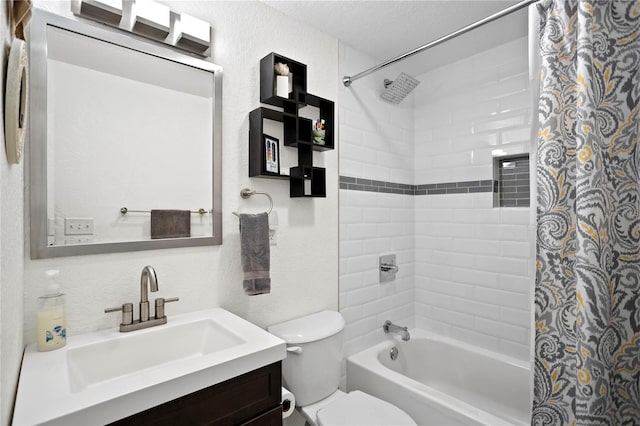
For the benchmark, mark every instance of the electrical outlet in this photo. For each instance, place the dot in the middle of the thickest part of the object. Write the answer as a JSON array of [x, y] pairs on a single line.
[[78, 226], [273, 239]]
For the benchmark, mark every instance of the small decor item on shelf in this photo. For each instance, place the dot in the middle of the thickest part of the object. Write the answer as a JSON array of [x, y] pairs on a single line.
[[318, 132], [271, 154], [282, 79]]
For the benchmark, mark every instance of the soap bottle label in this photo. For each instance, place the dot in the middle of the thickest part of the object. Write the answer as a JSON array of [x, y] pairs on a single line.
[[52, 333]]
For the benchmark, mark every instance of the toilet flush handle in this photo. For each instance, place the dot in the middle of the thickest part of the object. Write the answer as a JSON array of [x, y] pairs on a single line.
[[294, 349]]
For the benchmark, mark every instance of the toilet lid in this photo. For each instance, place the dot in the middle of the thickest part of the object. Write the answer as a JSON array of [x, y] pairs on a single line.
[[359, 408]]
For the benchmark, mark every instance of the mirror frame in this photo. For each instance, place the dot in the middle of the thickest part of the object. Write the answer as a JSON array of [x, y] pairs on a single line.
[[38, 137]]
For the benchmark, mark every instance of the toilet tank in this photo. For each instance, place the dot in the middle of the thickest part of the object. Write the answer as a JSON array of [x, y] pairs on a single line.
[[311, 369]]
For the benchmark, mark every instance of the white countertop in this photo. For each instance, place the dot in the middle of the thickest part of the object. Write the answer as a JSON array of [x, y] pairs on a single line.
[[48, 392]]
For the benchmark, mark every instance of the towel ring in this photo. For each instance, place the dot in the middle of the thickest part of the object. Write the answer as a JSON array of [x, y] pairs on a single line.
[[246, 193]]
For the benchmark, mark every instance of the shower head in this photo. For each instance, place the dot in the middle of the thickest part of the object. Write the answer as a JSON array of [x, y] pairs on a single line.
[[396, 90]]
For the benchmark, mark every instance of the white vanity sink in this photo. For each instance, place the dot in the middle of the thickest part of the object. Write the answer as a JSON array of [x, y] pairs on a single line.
[[104, 376]]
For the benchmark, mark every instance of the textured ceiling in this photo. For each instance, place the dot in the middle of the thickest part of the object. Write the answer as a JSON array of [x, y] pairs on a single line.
[[386, 29]]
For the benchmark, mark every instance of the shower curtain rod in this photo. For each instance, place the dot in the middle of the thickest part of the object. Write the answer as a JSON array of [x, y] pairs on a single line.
[[347, 80]]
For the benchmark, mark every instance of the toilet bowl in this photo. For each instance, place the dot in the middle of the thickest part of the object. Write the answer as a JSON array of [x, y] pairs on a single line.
[[353, 409], [312, 372]]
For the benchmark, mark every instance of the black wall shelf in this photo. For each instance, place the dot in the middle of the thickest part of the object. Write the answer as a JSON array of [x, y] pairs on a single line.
[[305, 180], [268, 81]]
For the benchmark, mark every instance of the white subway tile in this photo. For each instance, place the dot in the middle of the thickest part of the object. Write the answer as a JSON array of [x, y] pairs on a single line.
[[351, 135], [350, 282], [358, 328], [502, 298], [459, 260], [483, 340], [486, 310], [502, 232], [351, 314], [515, 316], [434, 299], [500, 122], [465, 266], [434, 326], [481, 172], [501, 264], [454, 318], [429, 242], [488, 216], [424, 269], [518, 135], [470, 141], [360, 231], [515, 216], [516, 350], [475, 277], [498, 329], [360, 296], [451, 288], [373, 308], [350, 215], [466, 245], [516, 283], [516, 249]]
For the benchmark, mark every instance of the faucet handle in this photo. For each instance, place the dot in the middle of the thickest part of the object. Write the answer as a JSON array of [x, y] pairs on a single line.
[[160, 301], [127, 312]]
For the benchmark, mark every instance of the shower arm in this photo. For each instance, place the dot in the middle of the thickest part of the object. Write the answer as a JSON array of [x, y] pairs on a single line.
[[347, 80]]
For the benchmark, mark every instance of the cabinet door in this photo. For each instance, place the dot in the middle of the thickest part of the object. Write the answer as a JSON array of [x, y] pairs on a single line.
[[270, 418], [232, 402]]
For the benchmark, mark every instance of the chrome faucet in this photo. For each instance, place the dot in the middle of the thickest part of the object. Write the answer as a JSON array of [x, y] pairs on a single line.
[[390, 327], [149, 276]]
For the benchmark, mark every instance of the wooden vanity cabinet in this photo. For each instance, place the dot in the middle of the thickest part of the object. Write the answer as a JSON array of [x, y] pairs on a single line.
[[250, 399]]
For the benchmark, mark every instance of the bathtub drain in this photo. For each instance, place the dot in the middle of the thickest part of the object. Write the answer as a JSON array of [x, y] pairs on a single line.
[[393, 353]]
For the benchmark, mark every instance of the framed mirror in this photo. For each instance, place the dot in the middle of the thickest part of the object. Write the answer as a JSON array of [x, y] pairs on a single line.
[[125, 142]]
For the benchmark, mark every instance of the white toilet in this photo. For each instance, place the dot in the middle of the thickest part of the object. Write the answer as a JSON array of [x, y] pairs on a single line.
[[311, 372]]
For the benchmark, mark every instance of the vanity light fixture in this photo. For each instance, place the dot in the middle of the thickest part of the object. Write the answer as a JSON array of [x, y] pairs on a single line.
[[107, 11], [192, 33], [149, 19]]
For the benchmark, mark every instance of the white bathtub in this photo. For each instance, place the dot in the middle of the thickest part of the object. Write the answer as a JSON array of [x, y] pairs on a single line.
[[440, 381]]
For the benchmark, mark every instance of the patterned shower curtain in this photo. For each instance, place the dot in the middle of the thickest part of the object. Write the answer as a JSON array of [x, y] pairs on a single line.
[[587, 297]]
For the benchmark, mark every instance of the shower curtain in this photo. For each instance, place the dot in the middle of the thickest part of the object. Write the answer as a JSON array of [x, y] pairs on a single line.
[[587, 296]]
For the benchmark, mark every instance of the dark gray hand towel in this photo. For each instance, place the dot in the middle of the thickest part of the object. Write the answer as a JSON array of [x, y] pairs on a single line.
[[255, 255], [170, 223]]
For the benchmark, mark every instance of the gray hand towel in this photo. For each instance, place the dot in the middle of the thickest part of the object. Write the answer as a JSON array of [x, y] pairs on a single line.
[[255, 255], [170, 223]]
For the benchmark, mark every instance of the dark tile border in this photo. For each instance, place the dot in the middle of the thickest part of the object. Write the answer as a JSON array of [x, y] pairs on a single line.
[[370, 185]]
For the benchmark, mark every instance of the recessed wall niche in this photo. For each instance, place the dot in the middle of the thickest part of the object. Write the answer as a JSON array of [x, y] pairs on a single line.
[[512, 176]]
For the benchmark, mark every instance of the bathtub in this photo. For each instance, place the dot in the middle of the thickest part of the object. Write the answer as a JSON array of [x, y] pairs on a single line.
[[440, 381]]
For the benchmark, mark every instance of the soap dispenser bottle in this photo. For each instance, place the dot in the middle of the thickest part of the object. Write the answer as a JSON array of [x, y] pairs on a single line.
[[52, 331]]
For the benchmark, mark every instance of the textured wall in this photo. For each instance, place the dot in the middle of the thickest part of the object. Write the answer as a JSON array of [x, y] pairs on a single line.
[[376, 140], [473, 261], [11, 248], [304, 264]]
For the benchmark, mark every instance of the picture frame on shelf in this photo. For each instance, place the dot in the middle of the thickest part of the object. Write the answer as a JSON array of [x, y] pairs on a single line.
[[271, 157]]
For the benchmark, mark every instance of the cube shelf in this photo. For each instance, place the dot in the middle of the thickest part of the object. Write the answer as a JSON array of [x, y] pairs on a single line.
[[305, 180], [326, 108], [256, 145], [268, 81]]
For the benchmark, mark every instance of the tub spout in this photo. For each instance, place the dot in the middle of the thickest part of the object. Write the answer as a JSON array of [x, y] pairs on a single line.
[[390, 327]]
